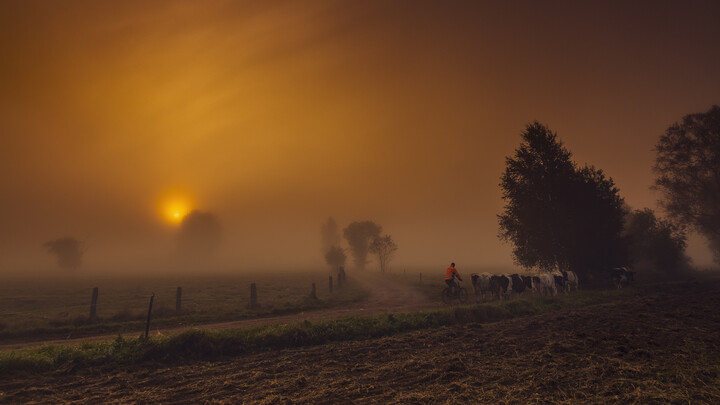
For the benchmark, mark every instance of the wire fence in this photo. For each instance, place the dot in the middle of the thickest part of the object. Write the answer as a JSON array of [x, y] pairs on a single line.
[[116, 304]]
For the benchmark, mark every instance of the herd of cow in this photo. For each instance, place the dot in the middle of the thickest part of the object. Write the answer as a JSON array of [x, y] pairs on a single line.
[[503, 286]]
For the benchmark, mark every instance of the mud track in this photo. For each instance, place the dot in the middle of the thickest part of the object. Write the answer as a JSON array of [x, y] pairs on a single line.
[[654, 347], [384, 296]]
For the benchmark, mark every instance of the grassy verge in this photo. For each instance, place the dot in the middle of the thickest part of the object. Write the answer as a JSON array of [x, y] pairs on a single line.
[[209, 344]]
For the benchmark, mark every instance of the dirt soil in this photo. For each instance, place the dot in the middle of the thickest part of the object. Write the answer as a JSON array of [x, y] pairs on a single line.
[[659, 346], [384, 296]]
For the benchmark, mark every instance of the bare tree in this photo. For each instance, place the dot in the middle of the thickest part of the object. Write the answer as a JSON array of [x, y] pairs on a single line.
[[359, 235], [384, 247], [68, 251]]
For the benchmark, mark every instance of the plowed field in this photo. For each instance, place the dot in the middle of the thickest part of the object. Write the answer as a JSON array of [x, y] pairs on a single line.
[[657, 346]]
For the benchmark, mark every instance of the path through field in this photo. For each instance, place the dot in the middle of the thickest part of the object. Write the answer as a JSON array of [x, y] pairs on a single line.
[[658, 346], [385, 295]]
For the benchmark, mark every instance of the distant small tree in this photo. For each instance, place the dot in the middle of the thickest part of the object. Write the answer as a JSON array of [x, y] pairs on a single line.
[[688, 174], [199, 236], [330, 233], [655, 245], [335, 257], [359, 235], [68, 251], [384, 247]]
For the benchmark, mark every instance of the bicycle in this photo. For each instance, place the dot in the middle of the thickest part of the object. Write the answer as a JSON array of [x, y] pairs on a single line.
[[460, 295]]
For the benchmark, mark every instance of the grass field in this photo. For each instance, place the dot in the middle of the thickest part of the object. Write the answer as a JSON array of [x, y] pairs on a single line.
[[57, 308], [210, 344]]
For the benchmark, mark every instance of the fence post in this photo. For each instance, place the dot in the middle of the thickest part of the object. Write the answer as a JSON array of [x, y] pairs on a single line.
[[147, 325], [178, 300], [313, 294], [93, 303], [341, 276], [330, 281], [420, 278], [253, 296]]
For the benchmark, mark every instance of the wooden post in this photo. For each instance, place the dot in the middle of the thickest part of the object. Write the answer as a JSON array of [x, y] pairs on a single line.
[[253, 296], [330, 281], [93, 304], [178, 300], [313, 294], [147, 325], [420, 278]]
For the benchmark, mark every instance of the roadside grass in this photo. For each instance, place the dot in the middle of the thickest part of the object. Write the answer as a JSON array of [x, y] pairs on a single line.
[[60, 309], [211, 344]]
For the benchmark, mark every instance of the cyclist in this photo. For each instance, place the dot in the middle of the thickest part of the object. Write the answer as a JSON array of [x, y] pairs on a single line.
[[450, 275]]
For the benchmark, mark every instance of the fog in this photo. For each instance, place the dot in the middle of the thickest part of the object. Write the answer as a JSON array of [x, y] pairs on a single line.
[[274, 116]]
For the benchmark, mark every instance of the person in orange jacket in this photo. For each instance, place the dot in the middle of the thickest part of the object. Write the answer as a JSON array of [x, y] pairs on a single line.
[[450, 275]]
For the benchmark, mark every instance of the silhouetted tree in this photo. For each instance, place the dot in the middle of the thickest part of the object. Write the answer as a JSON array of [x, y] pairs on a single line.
[[655, 246], [384, 247], [556, 215], [359, 235], [330, 234], [68, 251], [688, 169], [199, 236], [335, 257]]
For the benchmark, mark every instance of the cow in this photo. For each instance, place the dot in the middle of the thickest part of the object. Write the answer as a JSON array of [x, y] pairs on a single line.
[[536, 285], [500, 285], [517, 284], [571, 281], [621, 275], [481, 285], [559, 282], [546, 284]]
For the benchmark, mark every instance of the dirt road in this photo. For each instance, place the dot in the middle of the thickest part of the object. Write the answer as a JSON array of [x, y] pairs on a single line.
[[656, 347], [385, 295]]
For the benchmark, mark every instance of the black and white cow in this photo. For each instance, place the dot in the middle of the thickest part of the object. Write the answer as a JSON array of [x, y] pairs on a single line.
[[559, 282], [481, 285], [500, 286], [571, 281], [546, 284], [621, 275]]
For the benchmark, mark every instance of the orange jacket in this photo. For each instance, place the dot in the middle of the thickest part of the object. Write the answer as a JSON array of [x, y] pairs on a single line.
[[450, 272]]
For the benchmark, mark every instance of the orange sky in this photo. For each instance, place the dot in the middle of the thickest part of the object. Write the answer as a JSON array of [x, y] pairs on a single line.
[[275, 115]]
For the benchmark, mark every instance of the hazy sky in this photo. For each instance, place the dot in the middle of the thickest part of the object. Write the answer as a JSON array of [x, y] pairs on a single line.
[[275, 115]]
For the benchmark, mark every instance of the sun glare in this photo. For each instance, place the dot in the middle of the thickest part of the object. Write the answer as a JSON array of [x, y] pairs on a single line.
[[175, 206]]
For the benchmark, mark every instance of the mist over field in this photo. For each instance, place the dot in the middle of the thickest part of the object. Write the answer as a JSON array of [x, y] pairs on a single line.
[[118, 120]]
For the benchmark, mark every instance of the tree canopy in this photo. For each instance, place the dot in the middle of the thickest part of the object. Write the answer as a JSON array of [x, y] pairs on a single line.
[[556, 215], [359, 235], [688, 173], [68, 251]]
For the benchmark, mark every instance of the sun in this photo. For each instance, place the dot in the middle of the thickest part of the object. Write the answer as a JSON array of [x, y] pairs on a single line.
[[175, 205]]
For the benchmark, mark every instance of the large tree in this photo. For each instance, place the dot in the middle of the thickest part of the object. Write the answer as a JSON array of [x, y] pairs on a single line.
[[556, 215], [384, 247], [688, 173], [359, 235]]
